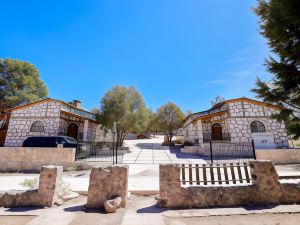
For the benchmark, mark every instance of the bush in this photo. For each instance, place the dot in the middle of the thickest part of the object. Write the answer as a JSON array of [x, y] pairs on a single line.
[[31, 183]]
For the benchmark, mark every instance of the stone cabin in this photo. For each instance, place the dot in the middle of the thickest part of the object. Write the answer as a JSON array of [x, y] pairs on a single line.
[[234, 120], [50, 117]]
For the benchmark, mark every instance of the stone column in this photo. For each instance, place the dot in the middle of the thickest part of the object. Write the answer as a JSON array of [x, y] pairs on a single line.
[[169, 185], [49, 184], [107, 183], [200, 132], [266, 182], [85, 130]]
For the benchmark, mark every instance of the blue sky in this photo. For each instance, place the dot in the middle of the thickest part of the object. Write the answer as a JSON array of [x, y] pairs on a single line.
[[186, 52]]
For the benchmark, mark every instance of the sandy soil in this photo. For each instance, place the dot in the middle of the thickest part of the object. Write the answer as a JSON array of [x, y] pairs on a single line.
[[266, 219], [15, 220]]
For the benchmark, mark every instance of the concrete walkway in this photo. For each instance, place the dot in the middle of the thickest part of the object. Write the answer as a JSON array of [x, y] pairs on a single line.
[[142, 180], [150, 151], [142, 210]]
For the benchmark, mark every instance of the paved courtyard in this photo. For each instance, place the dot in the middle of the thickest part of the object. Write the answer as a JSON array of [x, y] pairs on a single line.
[[142, 210], [150, 151]]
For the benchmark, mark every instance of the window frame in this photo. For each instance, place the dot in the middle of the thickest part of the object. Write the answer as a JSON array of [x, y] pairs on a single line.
[[257, 126], [37, 126]]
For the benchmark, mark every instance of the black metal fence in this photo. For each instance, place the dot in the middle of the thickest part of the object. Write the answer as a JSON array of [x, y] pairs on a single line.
[[92, 151], [222, 151], [207, 137]]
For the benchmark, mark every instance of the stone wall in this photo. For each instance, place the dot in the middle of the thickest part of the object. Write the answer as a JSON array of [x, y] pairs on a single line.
[[64, 124], [92, 130], [237, 122], [21, 120], [221, 119], [279, 156], [243, 113], [45, 196], [107, 183], [241, 132], [193, 133], [20, 158], [246, 109], [265, 189]]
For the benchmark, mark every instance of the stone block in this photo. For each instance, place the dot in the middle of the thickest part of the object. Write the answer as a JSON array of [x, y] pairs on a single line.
[[265, 189], [45, 196], [107, 183]]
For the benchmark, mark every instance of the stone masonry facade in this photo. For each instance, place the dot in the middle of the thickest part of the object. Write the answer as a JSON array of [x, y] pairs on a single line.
[[54, 119], [22, 119], [235, 118], [265, 189]]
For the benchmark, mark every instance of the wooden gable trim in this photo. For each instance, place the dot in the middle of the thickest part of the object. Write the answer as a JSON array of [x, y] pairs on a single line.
[[34, 103], [75, 115], [208, 116], [47, 100]]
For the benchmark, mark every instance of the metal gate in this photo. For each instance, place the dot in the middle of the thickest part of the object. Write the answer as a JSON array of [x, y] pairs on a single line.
[[224, 151], [107, 152]]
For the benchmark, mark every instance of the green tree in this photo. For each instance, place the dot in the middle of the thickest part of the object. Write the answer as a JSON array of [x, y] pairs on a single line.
[[20, 83], [280, 24], [169, 118], [126, 107], [152, 125]]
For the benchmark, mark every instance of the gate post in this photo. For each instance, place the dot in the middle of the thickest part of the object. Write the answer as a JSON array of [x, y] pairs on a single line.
[[113, 149], [253, 149], [116, 154], [211, 152]]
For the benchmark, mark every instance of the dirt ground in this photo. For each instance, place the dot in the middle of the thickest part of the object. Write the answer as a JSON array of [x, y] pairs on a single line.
[[143, 210], [266, 219], [15, 220]]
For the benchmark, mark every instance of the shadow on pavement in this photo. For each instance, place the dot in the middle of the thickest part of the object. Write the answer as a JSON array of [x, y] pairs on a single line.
[[151, 146], [180, 155], [82, 208], [76, 208], [260, 207], [23, 209], [152, 209]]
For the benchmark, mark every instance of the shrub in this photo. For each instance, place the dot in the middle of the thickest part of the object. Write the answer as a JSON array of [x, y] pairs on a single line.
[[31, 183]]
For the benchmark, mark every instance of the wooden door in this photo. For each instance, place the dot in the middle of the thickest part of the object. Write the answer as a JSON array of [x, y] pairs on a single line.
[[216, 132], [73, 131]]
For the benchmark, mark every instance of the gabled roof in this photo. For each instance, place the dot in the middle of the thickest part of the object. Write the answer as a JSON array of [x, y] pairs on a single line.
[[50, 99], [215, 108], [243, 99]]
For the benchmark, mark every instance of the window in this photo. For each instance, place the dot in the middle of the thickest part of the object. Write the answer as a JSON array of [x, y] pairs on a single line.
[[257, 126], [37, 126]]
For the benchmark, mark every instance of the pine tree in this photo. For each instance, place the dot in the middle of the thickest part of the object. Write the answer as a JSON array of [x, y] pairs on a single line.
[[280, 25]]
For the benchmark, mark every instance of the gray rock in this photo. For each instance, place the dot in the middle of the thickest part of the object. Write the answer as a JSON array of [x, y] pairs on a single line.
[[112, 205]]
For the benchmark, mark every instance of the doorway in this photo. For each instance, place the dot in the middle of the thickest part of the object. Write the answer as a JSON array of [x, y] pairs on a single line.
[[216, 132], [72, 130]]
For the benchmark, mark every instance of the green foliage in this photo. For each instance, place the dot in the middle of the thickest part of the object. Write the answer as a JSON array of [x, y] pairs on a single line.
[[126, 107], [280, 24], [152, 121], [20, 83], [31, 183], [169, 119]]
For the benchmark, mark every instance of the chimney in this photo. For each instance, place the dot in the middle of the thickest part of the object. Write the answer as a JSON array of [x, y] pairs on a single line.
[[76, 103]]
